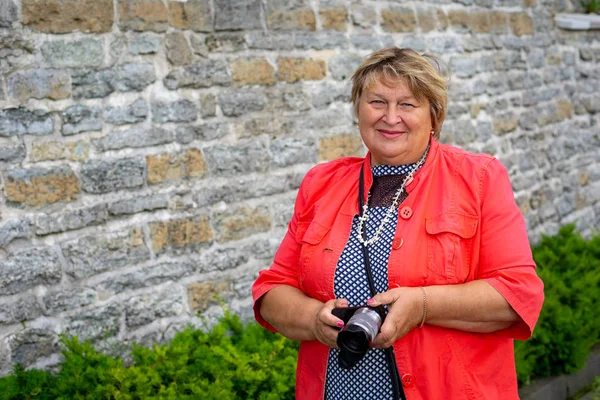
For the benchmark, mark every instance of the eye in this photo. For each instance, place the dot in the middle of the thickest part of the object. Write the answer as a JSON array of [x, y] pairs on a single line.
[[407, 105], [377, 102]]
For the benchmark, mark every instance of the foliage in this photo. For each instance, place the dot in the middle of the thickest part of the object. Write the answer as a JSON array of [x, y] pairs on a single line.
[[569, 324], [591, 6]]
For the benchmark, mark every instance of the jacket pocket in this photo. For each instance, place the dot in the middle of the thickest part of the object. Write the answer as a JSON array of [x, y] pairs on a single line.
[[312, 235], [449, 245]]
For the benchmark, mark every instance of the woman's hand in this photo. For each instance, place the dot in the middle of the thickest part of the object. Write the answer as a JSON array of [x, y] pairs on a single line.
[[405, 311], [324, 322]]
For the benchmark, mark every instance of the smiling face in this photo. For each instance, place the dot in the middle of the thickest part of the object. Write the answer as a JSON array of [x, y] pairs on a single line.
[[393, 124]]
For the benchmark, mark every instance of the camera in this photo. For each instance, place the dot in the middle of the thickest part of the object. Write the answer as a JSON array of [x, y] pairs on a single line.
[[361, 325]]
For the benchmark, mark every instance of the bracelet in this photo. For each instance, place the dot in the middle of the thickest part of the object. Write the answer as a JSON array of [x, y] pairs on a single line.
[[424, 307]]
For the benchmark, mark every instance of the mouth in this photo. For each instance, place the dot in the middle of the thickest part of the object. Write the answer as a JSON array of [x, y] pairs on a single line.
[[390, 134]]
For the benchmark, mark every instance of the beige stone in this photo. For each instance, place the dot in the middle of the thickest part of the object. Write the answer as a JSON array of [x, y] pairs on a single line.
[[334, 147], [296, 69], [45, 151], [479, 22], [498, 21], [41, 190], [243, 223], [505, 125], [256, 71], [334, 19], [143, 15], [193, 14], [398, 20], [442, 20], [584, 178], [426, 20], [202, 295], [180, 233], [302, 19], [178, 49], [163, 167], [78, 150], [194, 165], [565, 109], [63, 16], [459, 18], [521, 24]]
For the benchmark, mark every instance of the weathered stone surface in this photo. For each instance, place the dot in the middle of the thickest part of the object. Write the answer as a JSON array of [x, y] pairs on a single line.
[[369, 42], [28, 345], [239, 102], [342, 66], [521, 24], [320, 40], [20, 121], [65, 300], [459, 19], [251, 71], [147, 308], [203, 295], [327, 94], [12, 155], [222, 259], [63, 16], [139, 204], [76, 54], [334, 147], [146, 43], [134, 77], [15, 228], [21, 310], [334, 18], [427, 20], [44, 151], [178, 49], [95, 324], [124, 78], [28, 268], [131, 114], [288, 97], [46, 224], [193, 14], [39, 84], [237, 14], [177, 111], [8, 13], [78, 150], [143, 15], [363, 16], [78, 118], [463, 66], [479, 22], [91, 255], [226, 42], [398, 19], [147, 277], [178, 234], [260, 126], [199, 75], [103, 176], [242, 222], [270, 41], [172, 167], [186, 134], [134, 137], [290, 15], [293, 151], [247, 156], [295, 69], [37, 187]]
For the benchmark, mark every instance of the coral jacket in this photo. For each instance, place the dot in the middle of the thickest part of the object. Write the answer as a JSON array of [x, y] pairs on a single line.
[[459, 223]]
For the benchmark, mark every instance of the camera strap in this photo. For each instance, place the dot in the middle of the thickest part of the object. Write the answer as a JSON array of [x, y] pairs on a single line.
[[389, 352]]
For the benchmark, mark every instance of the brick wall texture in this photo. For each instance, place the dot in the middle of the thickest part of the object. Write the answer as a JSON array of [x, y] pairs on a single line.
[[151, 150]]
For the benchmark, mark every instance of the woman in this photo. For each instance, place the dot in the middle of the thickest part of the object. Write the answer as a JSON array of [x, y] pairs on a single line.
[[446, 243]]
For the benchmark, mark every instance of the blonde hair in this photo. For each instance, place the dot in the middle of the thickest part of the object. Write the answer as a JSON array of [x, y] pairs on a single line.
[[422, 74]]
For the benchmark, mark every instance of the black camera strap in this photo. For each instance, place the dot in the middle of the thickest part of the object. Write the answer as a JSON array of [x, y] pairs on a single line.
[[389, 352]]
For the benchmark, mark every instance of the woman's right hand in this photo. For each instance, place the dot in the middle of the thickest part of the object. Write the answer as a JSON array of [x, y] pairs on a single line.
[[325, 323]]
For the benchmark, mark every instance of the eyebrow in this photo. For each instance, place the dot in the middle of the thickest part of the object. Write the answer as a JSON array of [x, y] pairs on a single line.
[[403, 98]]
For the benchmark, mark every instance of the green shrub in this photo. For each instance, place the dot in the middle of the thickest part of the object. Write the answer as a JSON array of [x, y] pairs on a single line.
[[569, 324]]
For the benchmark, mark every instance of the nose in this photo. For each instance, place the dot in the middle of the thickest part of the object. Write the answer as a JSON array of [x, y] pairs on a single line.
[[392, 115]]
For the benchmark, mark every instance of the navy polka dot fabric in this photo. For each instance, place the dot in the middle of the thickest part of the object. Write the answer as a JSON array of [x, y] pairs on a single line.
[[369, 379]]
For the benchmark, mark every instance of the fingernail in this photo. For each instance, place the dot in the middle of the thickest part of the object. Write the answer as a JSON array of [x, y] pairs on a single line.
[[340, 324], [371, 301]]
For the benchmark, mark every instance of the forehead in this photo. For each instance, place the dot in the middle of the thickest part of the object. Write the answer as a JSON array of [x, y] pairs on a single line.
[[382, 85]]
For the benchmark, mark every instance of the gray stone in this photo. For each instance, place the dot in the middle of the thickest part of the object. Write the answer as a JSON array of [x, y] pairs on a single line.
[[343, 66], [79, 118], [459, 91], [65, 300], [20, 121], [145, 44], [16, 228], [198, 43], [82, 53], [29, 345], [247, 156], [414, 42], [363, 16], [21, 310], [139, 204], [200, 75], [282, 211], [187, 134], [464, 132], [177, 111], [39, 84], [320, 40], [237, 14], [536, 58], [147, 308], [328, 93], [370, 42], [93, 84], [235, 103], [134, 77], [147, 277], [226, 42], [8, 13], [131, 114], [457, 110], [270, 41], [67, 221], [134, 137], [463, 67], [178, 48], [91, 255], [444, 44], [95, 324], [496, 85], [28, 268], [288, 98], [12, 155], [106, 175], [294, 151], [263, 249], [222, 259], [208, 105]]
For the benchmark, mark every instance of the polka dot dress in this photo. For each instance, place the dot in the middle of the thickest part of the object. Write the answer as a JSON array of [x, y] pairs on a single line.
[[369, 378]]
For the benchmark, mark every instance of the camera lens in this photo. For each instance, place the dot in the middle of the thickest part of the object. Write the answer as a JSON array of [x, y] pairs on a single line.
[[355, 338]]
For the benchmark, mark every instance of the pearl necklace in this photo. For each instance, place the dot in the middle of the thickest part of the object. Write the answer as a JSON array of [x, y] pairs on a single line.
[[388, 215]]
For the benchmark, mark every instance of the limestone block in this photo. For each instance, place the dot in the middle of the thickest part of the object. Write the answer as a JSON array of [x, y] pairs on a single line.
[[146, 43], [177, 111], [107, 175], [134, 77], [8, 13], [70, 220], [78, 150], [20, 310], [498, 22], [93, 84], [175, 166], [292, 151], [239, 102], [237, 14], [226, 42], [39, 84], [134, 137], [320, 40], [334, 18], [28, 345], [442, 20], [328, 93], [202, 295], [28, 268], [290, 15], [91, 255], [247, 156], [334, 147], [253, 71], [139, 204], [370, 42], [20, 121], [143, 15], [479, 22], [295, 69], [363, 16], [270, 40], [242, 222], [459, 20], [147, 277], [288, 98], [463, 66], [84, 53], [178, 49], [64, 300], [79, 118], [193, 14], [427, 20], [179, 234], [260, 126], [342, 66], [15, 228], [147, 308], [505, 123], [186, 134], [12, 155], [45, 151], [95, 324], [398, 19], [521, 24], [38, 187], [199, 75], [222, 258], [63, 16], [130, 114], [263, 250]]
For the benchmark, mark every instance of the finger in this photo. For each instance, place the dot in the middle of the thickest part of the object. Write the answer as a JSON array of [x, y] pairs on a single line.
[[383, 298], [386, 336]]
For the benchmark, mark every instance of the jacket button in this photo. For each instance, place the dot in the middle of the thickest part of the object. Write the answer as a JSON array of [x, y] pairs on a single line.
[[397, 243], [406, 212], [408, 380]]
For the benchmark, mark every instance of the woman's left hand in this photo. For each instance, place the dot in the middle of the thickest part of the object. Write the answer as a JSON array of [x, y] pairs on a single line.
[[405, 311]]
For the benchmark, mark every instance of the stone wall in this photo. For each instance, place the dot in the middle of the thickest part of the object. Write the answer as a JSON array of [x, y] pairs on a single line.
[[151, 150]]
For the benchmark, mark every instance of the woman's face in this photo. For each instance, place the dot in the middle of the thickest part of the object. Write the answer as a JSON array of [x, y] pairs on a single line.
[[393, 124]]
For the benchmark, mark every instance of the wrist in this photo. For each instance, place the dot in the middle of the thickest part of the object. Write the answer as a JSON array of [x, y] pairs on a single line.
[[421, 307]]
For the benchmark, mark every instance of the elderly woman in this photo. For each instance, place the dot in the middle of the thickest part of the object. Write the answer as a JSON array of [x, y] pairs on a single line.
[[428, 231]]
